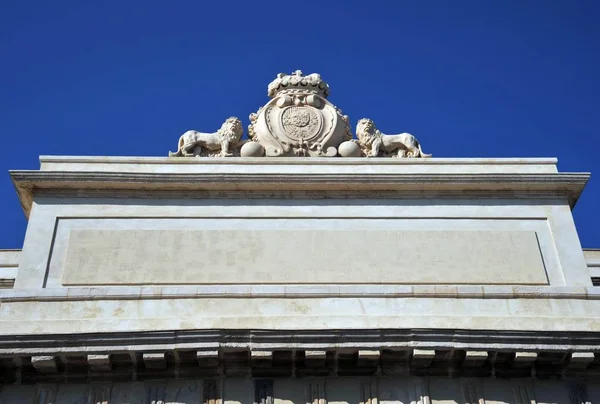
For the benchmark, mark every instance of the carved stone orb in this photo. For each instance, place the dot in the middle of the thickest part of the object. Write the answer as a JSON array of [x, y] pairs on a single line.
[[349, 149], [252, 149]]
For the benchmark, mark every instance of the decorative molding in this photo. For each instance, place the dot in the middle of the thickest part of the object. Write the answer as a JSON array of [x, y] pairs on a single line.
[[292, 363], [209, 344], [48, 159], [569, 185], [123, 180], [298, 291]]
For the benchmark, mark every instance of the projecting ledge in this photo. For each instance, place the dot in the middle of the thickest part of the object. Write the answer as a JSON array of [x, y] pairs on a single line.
[[398, 184], [298, 291], [137, 164]]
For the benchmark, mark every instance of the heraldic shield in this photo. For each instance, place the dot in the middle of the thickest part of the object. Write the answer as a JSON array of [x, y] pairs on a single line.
[[299, 120]]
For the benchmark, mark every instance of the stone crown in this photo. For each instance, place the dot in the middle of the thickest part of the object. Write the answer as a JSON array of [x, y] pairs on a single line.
[[298, 82]]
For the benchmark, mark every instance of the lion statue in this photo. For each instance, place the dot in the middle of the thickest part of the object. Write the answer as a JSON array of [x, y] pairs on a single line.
[[373, 142], [193, 143]]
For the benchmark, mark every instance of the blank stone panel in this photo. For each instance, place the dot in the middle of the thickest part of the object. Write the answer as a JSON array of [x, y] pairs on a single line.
[[277, 255]]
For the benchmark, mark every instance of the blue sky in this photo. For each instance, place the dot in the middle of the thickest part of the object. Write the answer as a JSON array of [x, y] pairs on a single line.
[[468, 78]]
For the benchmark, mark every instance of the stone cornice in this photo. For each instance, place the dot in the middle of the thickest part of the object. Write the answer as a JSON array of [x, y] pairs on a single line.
[[568, 185], [298, 291], [46, 159], [38, 344], [286, 353]]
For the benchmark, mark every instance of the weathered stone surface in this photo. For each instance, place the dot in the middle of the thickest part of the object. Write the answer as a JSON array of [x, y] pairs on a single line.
[[266, 251]]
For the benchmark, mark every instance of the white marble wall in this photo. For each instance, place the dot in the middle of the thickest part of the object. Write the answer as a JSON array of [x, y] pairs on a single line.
[[52, 295], [410, 241]]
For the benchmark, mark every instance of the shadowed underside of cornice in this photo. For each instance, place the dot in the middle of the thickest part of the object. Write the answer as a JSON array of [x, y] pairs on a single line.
[[261, 353]]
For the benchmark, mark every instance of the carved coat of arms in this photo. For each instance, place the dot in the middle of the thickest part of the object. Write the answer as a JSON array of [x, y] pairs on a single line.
[[298, 120]]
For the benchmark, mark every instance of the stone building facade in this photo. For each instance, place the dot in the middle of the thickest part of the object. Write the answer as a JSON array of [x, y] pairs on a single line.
[[302, 265]]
